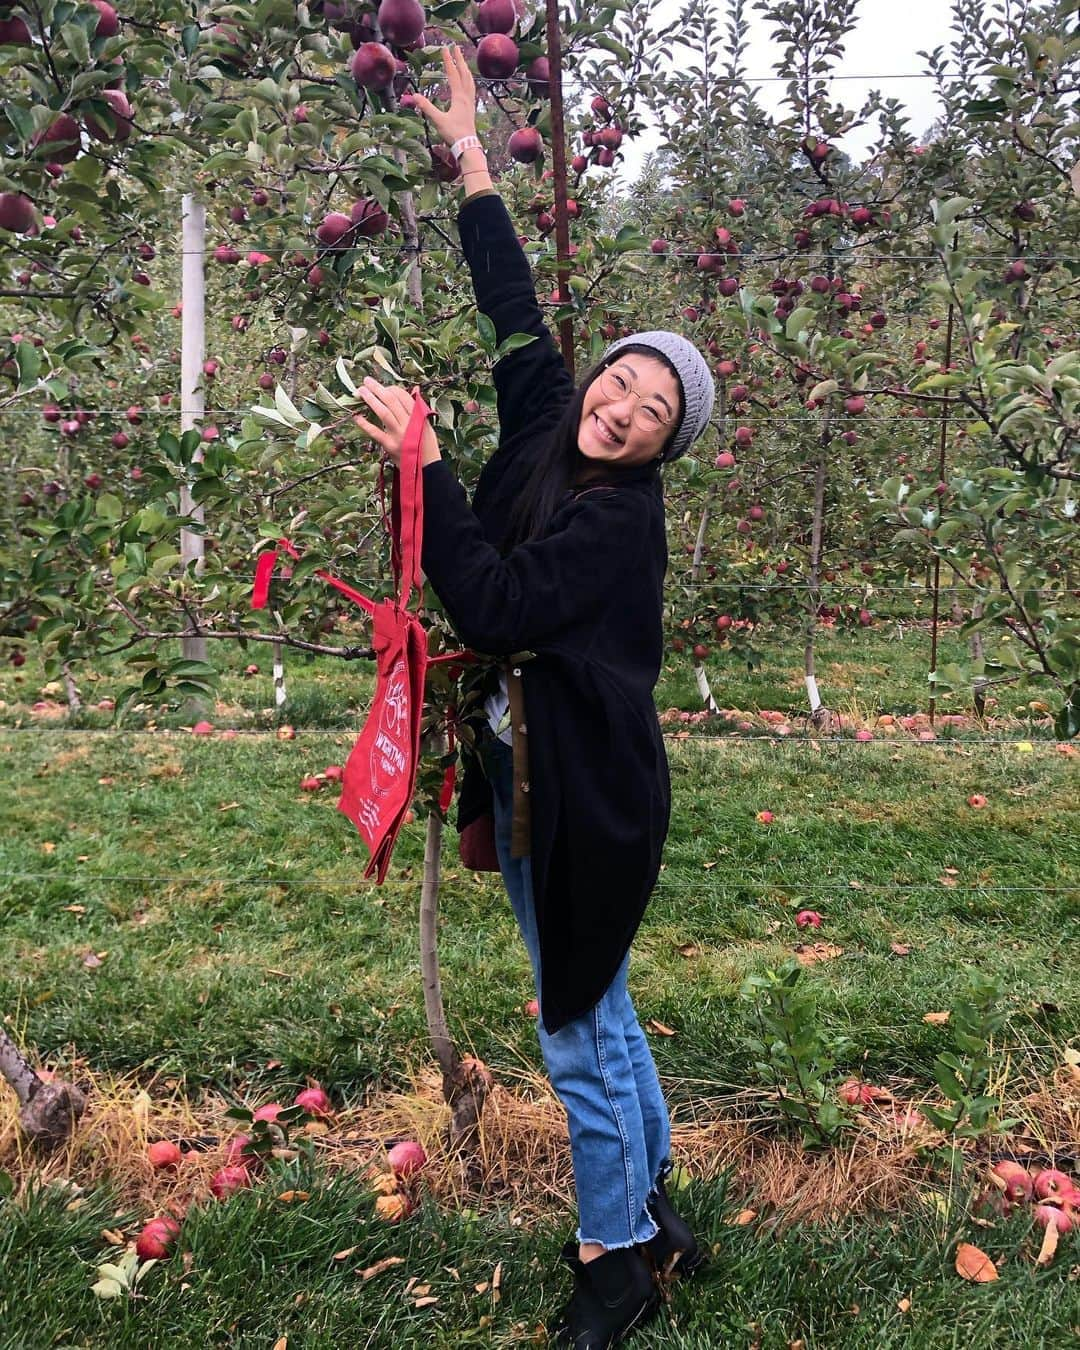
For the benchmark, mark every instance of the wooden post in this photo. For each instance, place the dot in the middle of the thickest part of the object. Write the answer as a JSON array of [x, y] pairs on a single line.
[[192, 356]]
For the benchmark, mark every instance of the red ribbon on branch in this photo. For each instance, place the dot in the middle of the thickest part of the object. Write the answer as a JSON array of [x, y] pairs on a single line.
[[380, 774]]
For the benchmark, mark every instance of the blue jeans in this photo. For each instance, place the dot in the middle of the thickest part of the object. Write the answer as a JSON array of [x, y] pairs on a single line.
[[600, 1066]]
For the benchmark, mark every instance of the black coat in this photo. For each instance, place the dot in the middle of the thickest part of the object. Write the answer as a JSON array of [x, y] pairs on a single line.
[[587, 599]]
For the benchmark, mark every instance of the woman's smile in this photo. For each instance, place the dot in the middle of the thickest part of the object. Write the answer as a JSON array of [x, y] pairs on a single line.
[[605, 432]]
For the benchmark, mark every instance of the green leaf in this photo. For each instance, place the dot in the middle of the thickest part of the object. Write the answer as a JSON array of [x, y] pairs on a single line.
[[514, 341], [189, 668], [78, 42], [797, 321], [28, 360], [948, 1082], [108, 507], [486, 329], [608, 43]]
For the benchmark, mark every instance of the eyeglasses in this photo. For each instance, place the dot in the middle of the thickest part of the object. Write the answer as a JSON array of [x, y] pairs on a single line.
[[649, 416]]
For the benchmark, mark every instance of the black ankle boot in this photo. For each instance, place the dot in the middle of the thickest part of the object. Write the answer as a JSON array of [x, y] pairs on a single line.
[[613, 1295], [672, 1252]]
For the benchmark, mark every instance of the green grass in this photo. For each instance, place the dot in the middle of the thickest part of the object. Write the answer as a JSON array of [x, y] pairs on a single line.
[[237, 929], [261, 1270]]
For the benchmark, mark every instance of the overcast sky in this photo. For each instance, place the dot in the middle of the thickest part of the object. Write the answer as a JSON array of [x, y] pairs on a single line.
[[884, 42]]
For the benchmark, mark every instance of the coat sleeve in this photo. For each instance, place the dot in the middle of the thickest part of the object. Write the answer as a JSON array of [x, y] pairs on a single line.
[[531, 382], [503, 605]]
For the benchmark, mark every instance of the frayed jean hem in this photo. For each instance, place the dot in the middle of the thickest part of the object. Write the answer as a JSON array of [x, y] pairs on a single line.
[[616, 1246]]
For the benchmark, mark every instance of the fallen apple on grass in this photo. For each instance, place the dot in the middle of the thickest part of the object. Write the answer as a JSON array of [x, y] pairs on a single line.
[[1047, 1215], [333, 773], [240, 1154], [1050, 1183], [157, 1238], [164, 1154], [808, 918], [854, 1093], [228, 1180], [1016, 1181], [314, 1101], [406, 1158], [286, 733], [203, 729], [269, 1112]]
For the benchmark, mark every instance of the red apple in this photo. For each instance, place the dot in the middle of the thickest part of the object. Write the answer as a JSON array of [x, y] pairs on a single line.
[[369, 217], [374, 66], [808, 918], [525, 145], [314, 1101], [496, 56], [227, 1180], [156, 1240], [406, 1158], [122, 116], [495, 16], [64, 129], [1047, 1216], [334, 227], [1018, 1186], [14, 33], [164, 1154], [1050, 1183], [16, 212], [401, 21], [108, 24], [269, 1112], [203, 729]]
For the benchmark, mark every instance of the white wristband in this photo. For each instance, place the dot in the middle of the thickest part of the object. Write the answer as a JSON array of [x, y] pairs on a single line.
[[464, 143]]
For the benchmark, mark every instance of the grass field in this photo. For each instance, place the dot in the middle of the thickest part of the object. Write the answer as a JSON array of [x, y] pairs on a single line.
[[235, 949]]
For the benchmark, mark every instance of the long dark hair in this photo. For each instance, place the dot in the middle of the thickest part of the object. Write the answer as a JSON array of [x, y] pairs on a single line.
[[560, 462]]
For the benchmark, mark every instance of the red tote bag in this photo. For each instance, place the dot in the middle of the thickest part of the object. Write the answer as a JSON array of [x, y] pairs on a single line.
[[380, 773]]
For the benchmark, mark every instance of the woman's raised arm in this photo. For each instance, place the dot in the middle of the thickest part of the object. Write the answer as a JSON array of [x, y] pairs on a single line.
[[531, 382]]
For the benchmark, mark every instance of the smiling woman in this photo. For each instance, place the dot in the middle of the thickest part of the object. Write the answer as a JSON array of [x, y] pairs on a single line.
[[629, 411], [556, 571]]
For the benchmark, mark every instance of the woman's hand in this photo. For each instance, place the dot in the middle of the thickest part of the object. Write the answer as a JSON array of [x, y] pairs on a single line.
[[460, 118], [393, 406]]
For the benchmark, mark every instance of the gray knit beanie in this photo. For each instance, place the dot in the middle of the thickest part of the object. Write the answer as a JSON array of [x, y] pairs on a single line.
[[696, 379]]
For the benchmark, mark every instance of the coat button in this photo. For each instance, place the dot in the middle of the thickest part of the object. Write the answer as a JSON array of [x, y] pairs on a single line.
[[517, 670], [524, 787], [523, 728]]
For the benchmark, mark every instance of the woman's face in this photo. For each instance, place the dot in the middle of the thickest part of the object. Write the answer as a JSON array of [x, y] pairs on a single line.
[[639, 434]]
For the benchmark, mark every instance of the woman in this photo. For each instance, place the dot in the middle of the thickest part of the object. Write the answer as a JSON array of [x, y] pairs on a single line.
[[557, 568]]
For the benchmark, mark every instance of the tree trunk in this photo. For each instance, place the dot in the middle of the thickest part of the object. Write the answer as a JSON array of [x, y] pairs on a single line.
[[47, 1111], [466, 1081]]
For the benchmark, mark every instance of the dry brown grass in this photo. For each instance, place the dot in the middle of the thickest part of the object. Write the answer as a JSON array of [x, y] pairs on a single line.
[[521, 1157]]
